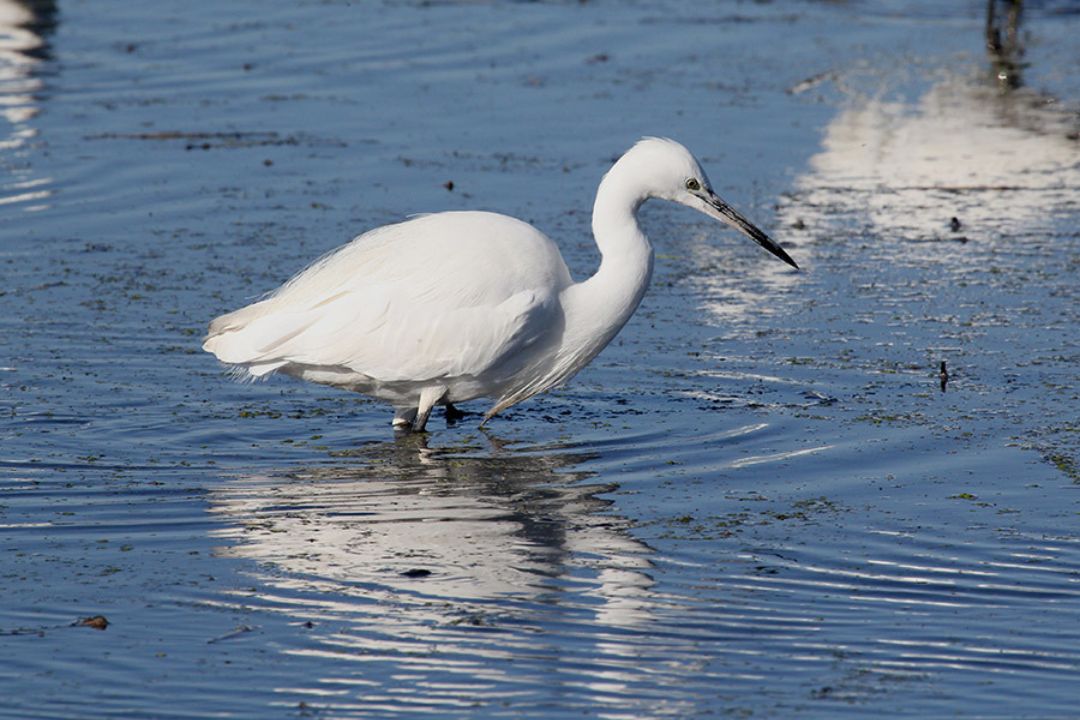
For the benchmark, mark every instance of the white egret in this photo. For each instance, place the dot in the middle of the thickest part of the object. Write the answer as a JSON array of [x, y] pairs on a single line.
[[454, 306]]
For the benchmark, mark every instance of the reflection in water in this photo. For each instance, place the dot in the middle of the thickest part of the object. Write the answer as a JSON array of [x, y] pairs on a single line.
[[450, 563], [24, 27], [732, 302], [997, 163], [460, 582], [977, 157], [1003, 41], [972, 159]]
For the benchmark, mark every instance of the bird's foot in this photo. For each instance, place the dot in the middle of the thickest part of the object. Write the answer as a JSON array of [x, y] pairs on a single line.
[[403, 418]]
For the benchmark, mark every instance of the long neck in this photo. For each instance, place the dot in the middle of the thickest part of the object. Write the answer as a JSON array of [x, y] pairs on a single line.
[[597, 308]]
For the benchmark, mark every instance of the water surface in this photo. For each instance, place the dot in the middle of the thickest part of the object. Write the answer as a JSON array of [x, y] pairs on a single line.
[[761, 500]]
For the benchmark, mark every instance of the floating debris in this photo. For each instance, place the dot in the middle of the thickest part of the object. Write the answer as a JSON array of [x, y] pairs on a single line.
[[811, 82], [97, 622], [237, 632]]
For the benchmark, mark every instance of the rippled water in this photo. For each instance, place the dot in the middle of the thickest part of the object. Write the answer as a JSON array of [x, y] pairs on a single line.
[[761, 500]]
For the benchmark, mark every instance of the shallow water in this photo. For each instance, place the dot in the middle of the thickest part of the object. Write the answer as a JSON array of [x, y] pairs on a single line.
[[760, 500]]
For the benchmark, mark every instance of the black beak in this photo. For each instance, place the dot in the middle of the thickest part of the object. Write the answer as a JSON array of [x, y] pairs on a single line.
[[727, 214]]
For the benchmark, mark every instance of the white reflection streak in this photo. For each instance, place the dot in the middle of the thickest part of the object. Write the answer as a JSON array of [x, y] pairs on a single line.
[[999, 162], [18, 105], [777, 457], [928, 568], [761, 277]]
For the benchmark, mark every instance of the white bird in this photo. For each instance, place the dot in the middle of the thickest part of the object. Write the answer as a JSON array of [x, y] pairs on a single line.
[[454, 306]]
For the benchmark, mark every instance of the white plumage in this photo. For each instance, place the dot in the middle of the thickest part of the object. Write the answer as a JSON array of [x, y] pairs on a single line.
[[453, 306]]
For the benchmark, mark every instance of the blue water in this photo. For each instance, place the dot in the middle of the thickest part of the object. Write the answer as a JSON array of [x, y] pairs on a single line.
[[758, 501]]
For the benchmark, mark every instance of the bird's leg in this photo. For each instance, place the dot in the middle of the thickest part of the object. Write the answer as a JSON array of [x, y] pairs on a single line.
[[428, 397]]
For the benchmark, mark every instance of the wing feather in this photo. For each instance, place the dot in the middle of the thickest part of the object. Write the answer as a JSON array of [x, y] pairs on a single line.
[[446, 295]]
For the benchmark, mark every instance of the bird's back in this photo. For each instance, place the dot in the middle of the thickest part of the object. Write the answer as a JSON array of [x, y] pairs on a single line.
[[436, 296]]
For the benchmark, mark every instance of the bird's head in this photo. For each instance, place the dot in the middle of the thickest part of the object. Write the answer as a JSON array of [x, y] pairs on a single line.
[[671, 172]]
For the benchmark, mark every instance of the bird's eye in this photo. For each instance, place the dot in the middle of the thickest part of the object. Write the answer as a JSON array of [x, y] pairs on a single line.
[[693, 185]]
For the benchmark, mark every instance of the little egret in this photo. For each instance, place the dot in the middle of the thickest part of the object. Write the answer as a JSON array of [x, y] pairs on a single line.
[[453, 306]]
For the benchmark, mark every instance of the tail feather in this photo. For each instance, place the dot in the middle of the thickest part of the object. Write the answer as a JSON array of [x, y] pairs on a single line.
[[250, 335], [237, 319]]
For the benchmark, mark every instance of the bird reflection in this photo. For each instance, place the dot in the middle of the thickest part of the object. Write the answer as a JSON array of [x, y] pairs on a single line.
[[24, 29], [972, 159], [411, 523], [467, 568]]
